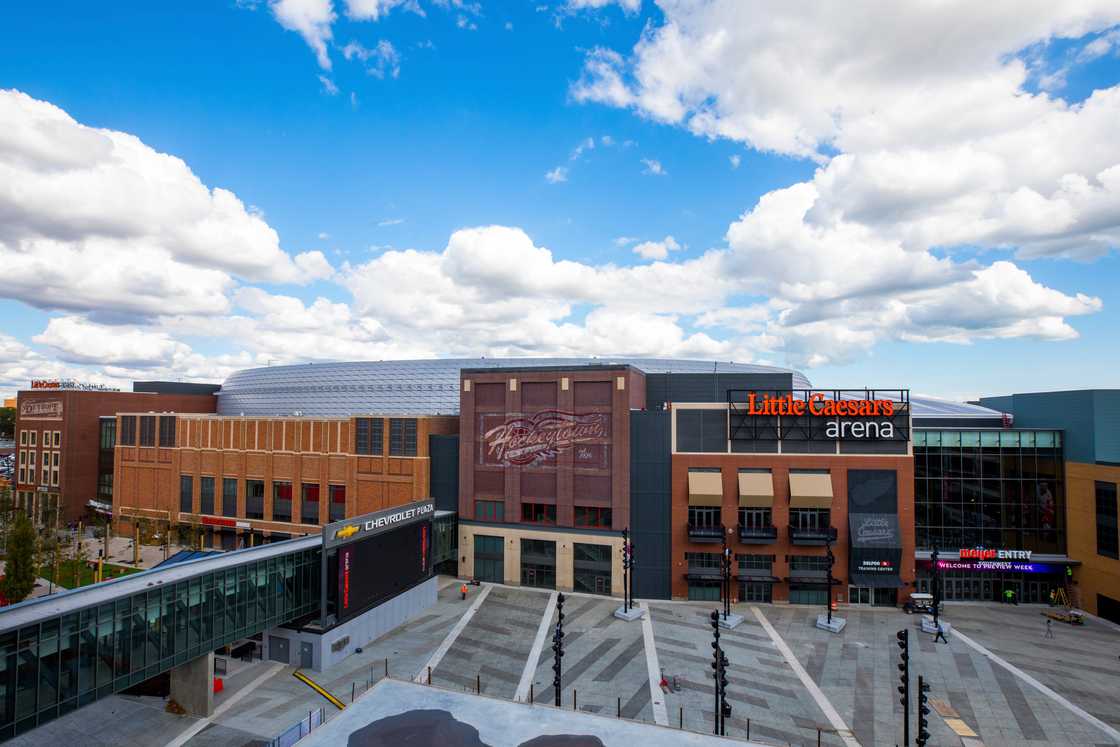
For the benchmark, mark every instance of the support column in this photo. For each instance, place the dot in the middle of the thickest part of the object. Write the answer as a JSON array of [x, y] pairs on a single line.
[[192, 685]]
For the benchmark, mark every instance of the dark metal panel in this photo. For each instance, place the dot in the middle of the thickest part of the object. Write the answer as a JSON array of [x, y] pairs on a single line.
[[650, 503], [444, 453], [707, 387]]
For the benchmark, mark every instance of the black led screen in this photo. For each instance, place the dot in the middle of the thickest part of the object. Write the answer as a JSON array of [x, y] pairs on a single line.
[[372, 570]]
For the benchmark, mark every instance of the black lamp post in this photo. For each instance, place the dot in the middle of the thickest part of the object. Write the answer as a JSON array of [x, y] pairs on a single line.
[[831, 562], [717, 664], [627, 571], [935, 580], [725, 574], [558, 647]]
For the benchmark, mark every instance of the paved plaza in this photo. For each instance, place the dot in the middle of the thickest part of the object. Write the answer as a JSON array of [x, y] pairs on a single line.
[[999, 681]]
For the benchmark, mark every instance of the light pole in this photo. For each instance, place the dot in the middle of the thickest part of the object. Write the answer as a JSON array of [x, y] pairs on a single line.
[[558, 647], [725, 574], [831, 562], [717, 663], [936, 584], [627, 559]]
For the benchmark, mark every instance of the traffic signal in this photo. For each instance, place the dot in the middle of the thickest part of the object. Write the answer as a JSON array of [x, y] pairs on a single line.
[[923, 712]]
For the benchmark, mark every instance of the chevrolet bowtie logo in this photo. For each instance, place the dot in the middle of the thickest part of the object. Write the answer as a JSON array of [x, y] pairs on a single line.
[[346, 531]]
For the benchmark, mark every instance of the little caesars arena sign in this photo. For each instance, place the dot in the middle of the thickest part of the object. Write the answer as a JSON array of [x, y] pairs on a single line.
[[848, 418]]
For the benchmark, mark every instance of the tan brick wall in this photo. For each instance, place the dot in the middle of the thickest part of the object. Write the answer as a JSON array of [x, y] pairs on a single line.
[[1097, 574], [512, 537]]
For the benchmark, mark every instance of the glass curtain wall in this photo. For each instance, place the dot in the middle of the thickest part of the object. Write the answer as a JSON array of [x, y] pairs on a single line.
[[990, 488], [53, 667]]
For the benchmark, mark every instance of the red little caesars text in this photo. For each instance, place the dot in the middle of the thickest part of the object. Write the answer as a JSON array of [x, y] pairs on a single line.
[[818, 405]]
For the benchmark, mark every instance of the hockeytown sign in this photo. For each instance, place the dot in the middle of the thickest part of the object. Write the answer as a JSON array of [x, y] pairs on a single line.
[[530, 439]]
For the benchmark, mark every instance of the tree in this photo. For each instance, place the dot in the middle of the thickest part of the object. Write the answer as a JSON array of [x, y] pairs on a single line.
[[50, 553], [80, 556], [6, 515], [7, 422], [20, 568]]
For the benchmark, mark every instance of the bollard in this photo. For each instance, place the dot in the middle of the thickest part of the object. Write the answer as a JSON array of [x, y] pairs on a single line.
[[818, 738], [682, 718], [530, 693], [478, 684], [429, 675], [748, 728], [575, 704], [620, 707], [386, 666], [353, 688]]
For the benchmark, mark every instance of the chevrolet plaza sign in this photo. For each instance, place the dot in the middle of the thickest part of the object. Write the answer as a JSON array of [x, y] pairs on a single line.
[[360, 527]]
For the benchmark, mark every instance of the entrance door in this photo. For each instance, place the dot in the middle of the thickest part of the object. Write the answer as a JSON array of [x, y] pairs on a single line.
[[306, 655], [278, 649]]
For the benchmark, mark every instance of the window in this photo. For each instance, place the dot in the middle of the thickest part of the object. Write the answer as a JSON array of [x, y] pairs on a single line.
[[31, 464], [309, 504], [369, 436], [402, 436], [809, 519], [105, 486], [538, 563], [755, 563], [229, 496], [489, 558], [186, 493], [1108, 543], [281, 501], [702, 561], [704, 516], [57, 439], [23, 461], [128, 430], [254, 499], [703, 590], [811, 563], [206, 495], [147, 430], [166, 431], [23, 438], [755, 518], [490, 510], [338, 502], [32, 435], [593, 516], [755, 591], [46, 439], [108, 433], [538, 513], [54, 469]]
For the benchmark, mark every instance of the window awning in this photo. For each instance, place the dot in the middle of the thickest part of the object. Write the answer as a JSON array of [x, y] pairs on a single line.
[[756, 489], [759, 579], [810, 490], [705, 489]]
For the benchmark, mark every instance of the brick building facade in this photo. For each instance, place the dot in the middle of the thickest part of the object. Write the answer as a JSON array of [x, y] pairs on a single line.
[[64, 459], [544, 474], [240, 480]]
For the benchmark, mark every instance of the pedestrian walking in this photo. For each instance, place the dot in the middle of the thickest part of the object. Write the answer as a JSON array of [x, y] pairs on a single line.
[[463, 591], [940, 634], [1049, 628]]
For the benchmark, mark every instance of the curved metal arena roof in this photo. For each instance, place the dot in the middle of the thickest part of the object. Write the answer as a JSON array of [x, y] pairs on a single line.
[[415, 387]]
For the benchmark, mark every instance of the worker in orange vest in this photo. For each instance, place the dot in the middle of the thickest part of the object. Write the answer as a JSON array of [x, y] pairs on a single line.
[[463, 591]]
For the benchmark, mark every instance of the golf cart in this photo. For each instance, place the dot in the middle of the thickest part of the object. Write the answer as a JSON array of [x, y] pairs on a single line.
[[919, 602]]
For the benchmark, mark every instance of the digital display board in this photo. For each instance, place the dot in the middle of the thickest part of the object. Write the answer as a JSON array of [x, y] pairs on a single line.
[[371, 570], [998, 565]]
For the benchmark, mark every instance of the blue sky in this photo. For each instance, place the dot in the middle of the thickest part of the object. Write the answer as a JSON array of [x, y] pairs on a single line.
[[477, 103]]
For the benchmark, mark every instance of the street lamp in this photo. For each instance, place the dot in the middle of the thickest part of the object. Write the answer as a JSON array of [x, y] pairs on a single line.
[[831, 562], [936, 586], [558, 647], [725, 574]]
